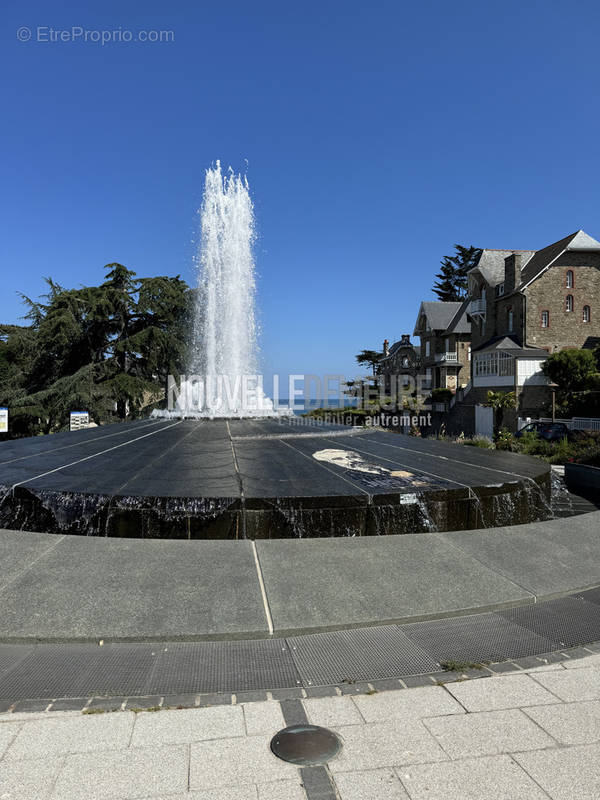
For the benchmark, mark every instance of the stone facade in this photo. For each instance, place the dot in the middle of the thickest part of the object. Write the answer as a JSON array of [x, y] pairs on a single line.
[[525, 304], [518, 311], [445, 344], [549, 292]]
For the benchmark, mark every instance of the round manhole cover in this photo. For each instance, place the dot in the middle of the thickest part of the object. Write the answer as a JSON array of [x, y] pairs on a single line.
[[305, 744]]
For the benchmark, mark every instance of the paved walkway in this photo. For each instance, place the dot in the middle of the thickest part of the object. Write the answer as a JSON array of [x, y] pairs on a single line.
[[530, 735]]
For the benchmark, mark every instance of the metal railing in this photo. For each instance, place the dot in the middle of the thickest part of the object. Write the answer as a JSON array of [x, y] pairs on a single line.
[[451, 357], [477, 307]]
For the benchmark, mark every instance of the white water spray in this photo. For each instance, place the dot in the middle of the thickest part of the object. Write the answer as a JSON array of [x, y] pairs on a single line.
[[223, 379]]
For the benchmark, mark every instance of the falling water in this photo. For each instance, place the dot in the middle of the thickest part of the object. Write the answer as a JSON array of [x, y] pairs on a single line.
[[223, 379]]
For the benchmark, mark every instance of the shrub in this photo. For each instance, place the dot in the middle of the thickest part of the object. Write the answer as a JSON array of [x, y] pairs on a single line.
[[478, 441], [504, 440]]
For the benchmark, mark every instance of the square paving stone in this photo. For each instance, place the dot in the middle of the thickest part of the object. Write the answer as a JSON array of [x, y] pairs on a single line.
[[428, 701], [487, 733], [188, 725], [381, 784], [490, 778], [385, 744], [58, 735], [222, 762], [569, 723], [283, 790], [587, 662], [572, 685], [7, 734], [28, 780], [511, 691], [263, 719], [123, 773], [568, 773], [332, 711]]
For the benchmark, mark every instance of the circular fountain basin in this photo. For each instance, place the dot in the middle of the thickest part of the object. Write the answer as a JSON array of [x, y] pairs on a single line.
[[260, 478]]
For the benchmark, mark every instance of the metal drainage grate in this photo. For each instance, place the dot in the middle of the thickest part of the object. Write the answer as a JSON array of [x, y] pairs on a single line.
[[308, 745]]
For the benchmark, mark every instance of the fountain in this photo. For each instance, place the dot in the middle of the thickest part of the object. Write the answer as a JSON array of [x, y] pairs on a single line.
[[226, 464], [223, 378]]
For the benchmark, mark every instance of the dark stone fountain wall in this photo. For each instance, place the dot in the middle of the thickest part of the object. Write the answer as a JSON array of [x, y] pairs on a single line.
[[260, 479]]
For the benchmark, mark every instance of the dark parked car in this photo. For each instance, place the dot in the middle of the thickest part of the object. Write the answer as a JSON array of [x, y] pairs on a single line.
[[550, 431]]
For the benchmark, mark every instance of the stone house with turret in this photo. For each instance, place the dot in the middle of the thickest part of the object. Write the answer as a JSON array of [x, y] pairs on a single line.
[[398, 365], [525, 304]]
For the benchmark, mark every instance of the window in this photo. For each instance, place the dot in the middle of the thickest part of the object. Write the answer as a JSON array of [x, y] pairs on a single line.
[[569, 302], [545, 319], [586, 314], [569, 283], [427, 347], [500, 290], [510, 319], [494, 364], [469, 353]]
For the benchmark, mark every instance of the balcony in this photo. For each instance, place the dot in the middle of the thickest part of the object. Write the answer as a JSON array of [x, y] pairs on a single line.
[[477, 308], [448, 357]]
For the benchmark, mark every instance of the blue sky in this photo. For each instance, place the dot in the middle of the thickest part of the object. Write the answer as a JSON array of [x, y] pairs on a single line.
[[376, 135]]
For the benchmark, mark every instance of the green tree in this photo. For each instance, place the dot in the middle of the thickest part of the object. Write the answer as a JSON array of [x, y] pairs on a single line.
[[370, 357], [107, 349], [575, 372], [570, 369], [452, 277], [500, 402]]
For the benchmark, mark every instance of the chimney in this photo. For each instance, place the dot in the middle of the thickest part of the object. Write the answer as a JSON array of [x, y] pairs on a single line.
[[386, 347], [512, 271]]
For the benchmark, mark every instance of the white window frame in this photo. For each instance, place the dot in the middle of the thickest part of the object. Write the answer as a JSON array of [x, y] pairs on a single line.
[[570, 279], [501, 364]]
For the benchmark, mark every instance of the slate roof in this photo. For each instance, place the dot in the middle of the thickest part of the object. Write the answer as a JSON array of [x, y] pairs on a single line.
[[543, 258], [491, 264], [509, 344], [395, 347], [439, 314], [460, 322]]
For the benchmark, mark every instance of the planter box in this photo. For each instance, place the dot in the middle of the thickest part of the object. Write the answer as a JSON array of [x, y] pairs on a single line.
[[584, 480]]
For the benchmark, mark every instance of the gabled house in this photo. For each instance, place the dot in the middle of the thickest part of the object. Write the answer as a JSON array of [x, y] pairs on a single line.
[[525, 304], [445, 333]]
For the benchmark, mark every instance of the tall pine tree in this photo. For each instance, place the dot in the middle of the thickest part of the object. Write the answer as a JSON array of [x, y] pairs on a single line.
[[107, 349], [452, 277]]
